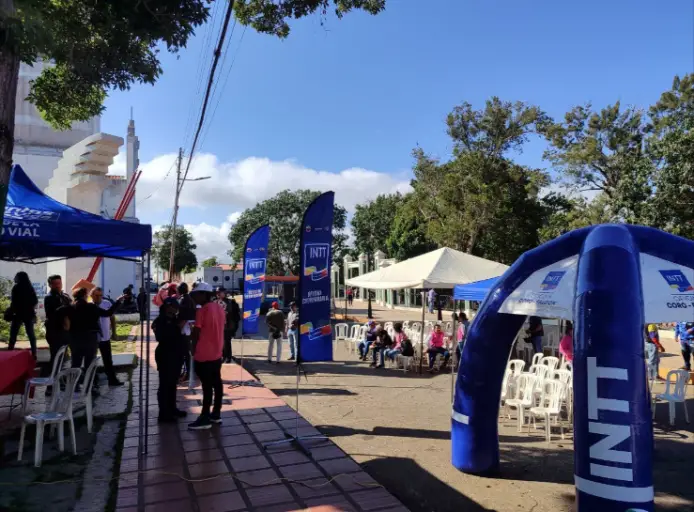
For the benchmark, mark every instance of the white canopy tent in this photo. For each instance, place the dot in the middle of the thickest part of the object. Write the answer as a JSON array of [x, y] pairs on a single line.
[[442, 268]]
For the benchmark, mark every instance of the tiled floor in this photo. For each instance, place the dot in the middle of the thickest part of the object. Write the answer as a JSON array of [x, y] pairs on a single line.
[[227, 468]]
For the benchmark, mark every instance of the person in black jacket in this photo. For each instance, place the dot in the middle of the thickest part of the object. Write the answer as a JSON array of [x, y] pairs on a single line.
[[142, 297], [186, 317], [57, 306], [169, 357], [23, 310], [84, 327]]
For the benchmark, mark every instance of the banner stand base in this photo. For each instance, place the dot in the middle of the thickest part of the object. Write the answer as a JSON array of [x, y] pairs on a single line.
[[296, 440]]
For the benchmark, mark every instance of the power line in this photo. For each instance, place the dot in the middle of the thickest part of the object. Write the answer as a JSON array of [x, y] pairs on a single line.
[[210, 82]]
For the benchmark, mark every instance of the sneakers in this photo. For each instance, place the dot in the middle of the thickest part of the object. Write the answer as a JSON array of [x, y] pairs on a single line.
[[216, 418], [201, 423]]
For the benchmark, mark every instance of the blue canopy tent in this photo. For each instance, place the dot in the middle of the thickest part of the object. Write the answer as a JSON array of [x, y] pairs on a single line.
[[476, 291], [37, 226]]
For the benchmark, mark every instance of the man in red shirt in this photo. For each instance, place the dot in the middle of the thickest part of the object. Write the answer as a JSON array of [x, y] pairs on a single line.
[[207, 344]]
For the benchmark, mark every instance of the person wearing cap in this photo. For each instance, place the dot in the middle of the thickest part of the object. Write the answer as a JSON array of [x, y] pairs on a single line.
[[207, 346], [169, 358], [275, 324], [293, 329], [371, 335]]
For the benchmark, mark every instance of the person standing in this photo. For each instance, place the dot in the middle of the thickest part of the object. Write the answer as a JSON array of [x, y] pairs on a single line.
[[207, 346], [293, 330], [432, 300], [169, 357], [535, 333], [84, 328], [23, 304], [226, 306], [107, 331], [235, 316], [57, 308], [652, 347], [275, 323], [684, 333], [142, 304], [350, 296], [463, 329], [186, 319]]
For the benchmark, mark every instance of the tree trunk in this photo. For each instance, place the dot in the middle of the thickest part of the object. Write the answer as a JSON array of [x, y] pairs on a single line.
[[9, 76]]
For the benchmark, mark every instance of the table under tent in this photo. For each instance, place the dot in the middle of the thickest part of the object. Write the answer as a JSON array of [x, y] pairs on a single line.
[[39, 229]]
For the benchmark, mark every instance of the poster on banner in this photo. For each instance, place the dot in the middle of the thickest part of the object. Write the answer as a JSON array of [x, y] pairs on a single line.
[[548, 292], [254, 265], [668, 290], [315, 332]]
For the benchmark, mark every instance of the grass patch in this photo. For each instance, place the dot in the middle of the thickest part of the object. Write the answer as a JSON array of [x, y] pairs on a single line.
[[122, 333]]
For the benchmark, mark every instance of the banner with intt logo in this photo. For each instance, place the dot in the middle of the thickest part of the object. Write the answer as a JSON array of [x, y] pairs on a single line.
[[315, 333], [254, 264]]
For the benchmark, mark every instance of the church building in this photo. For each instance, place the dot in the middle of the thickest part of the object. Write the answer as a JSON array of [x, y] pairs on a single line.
[[72, 166]]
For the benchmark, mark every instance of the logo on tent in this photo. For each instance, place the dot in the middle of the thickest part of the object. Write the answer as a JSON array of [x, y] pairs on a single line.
[[676, 280], [552, 280], [29, 214]]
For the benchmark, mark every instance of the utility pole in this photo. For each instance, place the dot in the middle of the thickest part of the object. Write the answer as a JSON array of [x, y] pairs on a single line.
[[175, 213]]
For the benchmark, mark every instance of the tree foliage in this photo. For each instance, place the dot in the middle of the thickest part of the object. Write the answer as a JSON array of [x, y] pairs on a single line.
[[210, 262], [408, 233], [284, 213], [184, 250], [372, 221]]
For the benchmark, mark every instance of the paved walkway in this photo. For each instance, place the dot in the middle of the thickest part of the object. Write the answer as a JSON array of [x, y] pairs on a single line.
[[227, 469]]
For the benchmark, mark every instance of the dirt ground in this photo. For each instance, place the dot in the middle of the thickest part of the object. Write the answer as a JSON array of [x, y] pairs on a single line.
[[397, 426]]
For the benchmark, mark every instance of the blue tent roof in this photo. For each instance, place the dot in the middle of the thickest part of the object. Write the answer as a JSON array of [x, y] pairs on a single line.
[[474, 291], [37, 226]]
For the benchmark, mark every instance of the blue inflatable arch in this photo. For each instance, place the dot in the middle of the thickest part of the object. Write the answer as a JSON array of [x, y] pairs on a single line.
[[613, 435]]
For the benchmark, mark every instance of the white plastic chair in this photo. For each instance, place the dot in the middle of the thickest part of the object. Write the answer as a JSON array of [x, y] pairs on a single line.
[[59, 412], [341, 331], [86, 392], [536, 359], [677, 379], [551, 361], [550, 405], [564, 376], [515, 367], [37, 382], [523, 397]]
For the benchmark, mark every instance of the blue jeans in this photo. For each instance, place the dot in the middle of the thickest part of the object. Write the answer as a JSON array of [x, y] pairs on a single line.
[[364, 348], [293, 337], [379, 350], [391, 353], [433, 352], [28, 327], [537, 344], [686, 354], [652, 360]]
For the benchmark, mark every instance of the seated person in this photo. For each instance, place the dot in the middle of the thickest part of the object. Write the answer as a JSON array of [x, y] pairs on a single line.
[[382, 343], [437, 345], [370, 338], [397, 348], [566, 345]]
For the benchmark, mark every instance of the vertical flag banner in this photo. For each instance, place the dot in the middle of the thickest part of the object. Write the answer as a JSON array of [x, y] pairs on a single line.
[[254, 264], [315, 332]]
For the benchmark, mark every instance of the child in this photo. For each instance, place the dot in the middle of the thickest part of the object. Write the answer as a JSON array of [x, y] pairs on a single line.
[[169, 358]]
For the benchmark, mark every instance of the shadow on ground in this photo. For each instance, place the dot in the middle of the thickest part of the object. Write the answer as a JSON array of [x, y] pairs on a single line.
[[428, 494]]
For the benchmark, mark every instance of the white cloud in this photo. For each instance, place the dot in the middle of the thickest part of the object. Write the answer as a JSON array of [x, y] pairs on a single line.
[[236, 186]]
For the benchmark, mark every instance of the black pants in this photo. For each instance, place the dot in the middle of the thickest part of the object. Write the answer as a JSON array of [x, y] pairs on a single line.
[[83, 348], [228, 334], [56, 340], [186, 356], [210, 375], [28, 327], [107, 358], [169, 368], [686, 354]]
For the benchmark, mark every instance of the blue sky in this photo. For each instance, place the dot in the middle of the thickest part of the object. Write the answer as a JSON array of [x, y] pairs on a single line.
[[342, 103]]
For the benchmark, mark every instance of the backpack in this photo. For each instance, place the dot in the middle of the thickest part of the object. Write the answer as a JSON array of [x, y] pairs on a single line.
[[407, 348]]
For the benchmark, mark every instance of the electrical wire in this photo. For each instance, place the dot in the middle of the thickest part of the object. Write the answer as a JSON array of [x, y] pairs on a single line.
[[210, 83]]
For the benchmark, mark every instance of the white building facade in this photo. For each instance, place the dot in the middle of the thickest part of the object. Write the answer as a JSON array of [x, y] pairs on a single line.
[[73, 167]]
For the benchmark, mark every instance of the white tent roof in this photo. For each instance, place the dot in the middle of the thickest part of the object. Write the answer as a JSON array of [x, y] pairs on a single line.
[[442, 268]]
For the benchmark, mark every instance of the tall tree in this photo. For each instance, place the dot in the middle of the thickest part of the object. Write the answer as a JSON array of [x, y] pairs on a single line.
[[604, 152], [408, 233], [210, 262], [671, 145], [284, 213], [565, 213], [184, 257], [96, 46], [467, 200], [372, 221]]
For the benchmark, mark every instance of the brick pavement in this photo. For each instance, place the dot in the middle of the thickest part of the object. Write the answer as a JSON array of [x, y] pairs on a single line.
[[227, 468]]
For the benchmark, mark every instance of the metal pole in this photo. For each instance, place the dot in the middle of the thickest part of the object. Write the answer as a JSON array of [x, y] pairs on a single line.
[[147, 371], [454, 346], [298, 378], [421, 333], [141, 426], [175, 214]]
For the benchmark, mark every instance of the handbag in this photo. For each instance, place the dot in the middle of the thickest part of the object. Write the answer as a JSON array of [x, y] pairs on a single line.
[[8, 314]]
